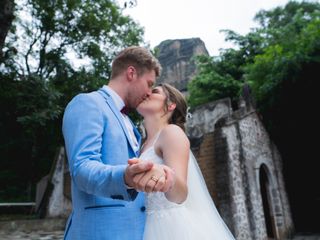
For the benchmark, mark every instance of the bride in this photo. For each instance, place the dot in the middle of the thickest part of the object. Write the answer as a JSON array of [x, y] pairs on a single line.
[[186, 211]]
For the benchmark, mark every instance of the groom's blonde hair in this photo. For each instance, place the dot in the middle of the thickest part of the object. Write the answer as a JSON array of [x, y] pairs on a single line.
[[138, 57]]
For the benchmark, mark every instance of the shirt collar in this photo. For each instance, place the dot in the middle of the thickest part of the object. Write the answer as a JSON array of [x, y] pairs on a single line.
[[115, 97]]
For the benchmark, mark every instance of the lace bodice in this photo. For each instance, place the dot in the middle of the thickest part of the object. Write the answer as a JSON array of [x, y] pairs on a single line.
[[156, 201]]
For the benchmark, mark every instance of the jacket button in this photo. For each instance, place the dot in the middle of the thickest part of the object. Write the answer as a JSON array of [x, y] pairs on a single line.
[[143, 209]]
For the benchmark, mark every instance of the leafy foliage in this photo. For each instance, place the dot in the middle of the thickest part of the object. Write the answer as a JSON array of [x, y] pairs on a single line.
[[210, 84], [292, 44], [267, 56], [55, 50]]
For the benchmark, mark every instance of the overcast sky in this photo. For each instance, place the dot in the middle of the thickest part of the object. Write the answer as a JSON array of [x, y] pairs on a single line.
[[178, 19]]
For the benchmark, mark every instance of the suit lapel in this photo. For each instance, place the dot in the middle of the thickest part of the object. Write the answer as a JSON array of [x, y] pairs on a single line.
[[117, 113], [138, 137]]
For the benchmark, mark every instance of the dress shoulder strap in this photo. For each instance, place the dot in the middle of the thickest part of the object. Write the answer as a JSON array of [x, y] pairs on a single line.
[[156, 138], [154, 141]]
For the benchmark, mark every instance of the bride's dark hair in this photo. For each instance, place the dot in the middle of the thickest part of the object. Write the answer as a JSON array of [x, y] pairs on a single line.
[[179, 114]]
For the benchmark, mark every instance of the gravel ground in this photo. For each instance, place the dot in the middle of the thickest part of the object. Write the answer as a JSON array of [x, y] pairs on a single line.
[[53, 229]]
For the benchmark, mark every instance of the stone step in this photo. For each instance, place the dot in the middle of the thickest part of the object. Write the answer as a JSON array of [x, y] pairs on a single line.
[[30, 225]]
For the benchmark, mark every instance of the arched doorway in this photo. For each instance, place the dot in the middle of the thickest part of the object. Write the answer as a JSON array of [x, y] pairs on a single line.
[[266, 201]]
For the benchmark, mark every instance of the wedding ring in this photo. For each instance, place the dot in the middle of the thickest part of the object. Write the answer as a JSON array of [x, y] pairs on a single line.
[[154, 178]]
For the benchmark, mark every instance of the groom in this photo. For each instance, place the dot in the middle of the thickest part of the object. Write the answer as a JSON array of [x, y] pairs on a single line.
[[100, 139]]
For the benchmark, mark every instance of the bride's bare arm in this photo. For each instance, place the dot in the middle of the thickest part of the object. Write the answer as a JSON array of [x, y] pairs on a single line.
[[173, 146]]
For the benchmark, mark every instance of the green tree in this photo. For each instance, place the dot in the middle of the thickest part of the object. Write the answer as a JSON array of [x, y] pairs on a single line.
[[222, 76], [292, 38], [285, 36], [40, 74], [214, 81], [6, 18]]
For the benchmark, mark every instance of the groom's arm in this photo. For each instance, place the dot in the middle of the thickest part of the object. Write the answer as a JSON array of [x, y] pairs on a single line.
[[83, 128]]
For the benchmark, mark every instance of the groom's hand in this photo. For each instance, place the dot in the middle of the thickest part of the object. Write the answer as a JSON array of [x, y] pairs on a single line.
[[136, 167]]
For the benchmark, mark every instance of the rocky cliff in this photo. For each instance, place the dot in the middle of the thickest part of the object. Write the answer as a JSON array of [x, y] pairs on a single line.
[[177, 60]]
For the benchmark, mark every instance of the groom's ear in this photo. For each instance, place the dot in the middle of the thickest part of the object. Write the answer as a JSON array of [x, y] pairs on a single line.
[[131, 71], [172, 106]]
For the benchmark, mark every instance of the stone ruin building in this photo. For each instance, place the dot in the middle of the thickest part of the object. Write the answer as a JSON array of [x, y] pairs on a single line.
[[243, 170], [241, 165]]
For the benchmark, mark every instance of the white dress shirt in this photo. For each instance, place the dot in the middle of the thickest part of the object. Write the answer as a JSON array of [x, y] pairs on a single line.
[[120, 104]]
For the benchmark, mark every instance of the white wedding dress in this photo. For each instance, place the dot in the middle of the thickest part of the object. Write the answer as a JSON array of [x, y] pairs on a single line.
[[195, 219]]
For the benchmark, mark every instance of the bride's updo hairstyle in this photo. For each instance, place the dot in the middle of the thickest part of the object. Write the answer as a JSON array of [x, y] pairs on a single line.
[[179, 114]]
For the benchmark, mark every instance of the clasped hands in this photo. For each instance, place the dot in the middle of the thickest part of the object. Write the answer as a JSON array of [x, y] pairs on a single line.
[[146, 176]]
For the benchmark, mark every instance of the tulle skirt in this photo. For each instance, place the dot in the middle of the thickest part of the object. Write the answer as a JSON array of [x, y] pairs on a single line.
[[172, 224]]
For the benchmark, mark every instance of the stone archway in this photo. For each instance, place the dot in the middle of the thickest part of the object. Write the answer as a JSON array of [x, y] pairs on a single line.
[[265, 190]]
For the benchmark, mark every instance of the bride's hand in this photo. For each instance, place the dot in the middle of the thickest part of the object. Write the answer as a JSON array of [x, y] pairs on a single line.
[[160, 178], [170, 179]]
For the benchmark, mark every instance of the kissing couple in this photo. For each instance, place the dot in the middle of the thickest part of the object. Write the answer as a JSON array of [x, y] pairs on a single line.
[[121, 190]]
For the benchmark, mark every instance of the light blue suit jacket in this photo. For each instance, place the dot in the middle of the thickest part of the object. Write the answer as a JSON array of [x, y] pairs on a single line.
[[98, 146]]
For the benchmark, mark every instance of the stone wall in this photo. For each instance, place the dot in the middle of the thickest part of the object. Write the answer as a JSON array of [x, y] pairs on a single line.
[[205, 155], [243, 170], [53, 195]]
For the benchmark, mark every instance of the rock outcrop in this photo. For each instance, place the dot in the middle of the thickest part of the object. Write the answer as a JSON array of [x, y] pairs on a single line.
[[177, 60]]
